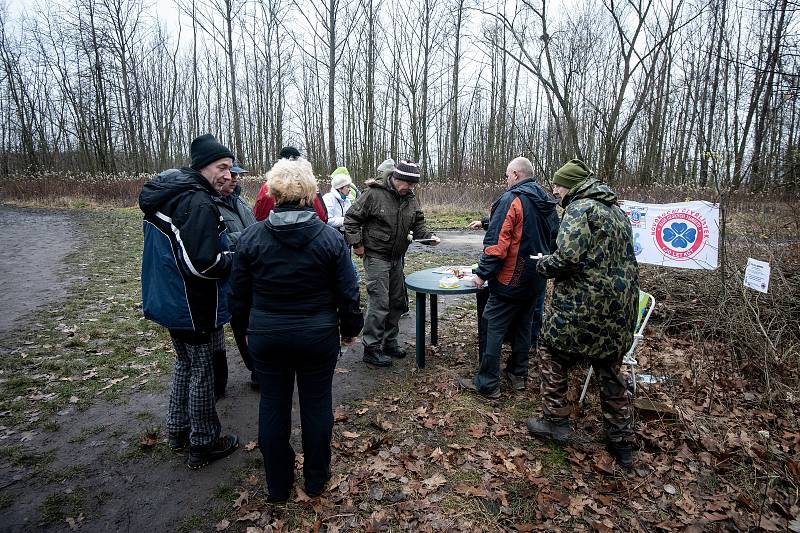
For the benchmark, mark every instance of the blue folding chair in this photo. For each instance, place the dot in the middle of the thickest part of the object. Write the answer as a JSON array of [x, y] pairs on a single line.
[[646, 305]]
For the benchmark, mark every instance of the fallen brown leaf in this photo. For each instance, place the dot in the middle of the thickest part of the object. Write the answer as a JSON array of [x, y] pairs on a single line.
[[382, 424], [476, 431], [434, 482]]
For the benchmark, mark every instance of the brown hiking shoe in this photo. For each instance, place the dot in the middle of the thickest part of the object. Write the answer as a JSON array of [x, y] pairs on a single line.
[[468, 385], [517, 382]]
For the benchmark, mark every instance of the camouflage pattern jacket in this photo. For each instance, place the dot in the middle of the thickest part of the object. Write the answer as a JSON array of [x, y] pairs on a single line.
[[381, 218], [596, 291]]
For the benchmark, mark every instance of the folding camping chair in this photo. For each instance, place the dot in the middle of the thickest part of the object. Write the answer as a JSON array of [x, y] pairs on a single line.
[[646, 305]]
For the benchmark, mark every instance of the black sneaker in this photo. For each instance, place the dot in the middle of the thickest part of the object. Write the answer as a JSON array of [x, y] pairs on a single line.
[[468, 385], [376, 358], [517, 382], [545, 428], [254, 385], [396, 352], [200, 456], [178, 442], [622, 453]]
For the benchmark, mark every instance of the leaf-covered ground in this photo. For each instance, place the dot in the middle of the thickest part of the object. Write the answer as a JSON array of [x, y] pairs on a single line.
[[424, 456]]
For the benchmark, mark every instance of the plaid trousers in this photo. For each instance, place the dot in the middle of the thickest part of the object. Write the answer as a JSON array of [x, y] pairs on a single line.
[[192, 406]]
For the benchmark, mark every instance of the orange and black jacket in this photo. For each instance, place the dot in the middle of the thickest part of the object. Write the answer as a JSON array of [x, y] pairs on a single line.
[[523, 222]]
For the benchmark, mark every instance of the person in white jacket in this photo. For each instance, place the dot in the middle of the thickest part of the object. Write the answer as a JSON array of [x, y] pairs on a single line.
[[337, 202]]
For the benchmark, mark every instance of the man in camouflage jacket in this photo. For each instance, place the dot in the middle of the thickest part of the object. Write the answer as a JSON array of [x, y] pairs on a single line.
[[592, 314]]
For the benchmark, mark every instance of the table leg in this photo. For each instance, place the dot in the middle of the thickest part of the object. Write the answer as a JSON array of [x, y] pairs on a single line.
[[420, 330], [434, 319]]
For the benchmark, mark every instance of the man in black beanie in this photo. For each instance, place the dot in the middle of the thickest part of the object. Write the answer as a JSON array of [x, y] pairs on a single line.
[[185, 267]]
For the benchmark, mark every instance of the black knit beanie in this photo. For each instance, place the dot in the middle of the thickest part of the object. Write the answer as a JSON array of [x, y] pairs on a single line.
[[206, 149], [289, 152]]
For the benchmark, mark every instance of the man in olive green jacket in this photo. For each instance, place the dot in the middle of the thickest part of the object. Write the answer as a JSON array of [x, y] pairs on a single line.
[[378, 226], [592, 314]]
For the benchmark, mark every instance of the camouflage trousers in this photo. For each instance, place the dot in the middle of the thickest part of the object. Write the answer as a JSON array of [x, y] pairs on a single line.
[[615, 402]]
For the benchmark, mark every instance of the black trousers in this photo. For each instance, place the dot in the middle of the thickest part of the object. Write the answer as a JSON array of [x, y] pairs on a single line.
[[482, 296], [504, 318], [278, 358]]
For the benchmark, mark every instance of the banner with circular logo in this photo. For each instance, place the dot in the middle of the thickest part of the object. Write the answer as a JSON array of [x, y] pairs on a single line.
[[683, 235]]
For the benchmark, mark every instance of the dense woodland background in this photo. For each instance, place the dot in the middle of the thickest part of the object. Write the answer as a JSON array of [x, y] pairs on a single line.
[[683, 92]]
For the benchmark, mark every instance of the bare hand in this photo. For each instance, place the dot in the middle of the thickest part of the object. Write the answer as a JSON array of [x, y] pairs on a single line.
[[475, 224], [359, 251], [348, 341], [479, 281], [435, 240]]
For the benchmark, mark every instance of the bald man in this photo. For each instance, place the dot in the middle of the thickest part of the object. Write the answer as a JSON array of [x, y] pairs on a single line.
[[523, 222]]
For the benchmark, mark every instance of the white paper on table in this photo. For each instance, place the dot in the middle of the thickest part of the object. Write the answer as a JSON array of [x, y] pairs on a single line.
[[756, 275], [464, 269]]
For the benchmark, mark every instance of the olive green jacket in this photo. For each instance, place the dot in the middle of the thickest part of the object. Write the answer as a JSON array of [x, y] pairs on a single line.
[[596, 290], [380, 220]]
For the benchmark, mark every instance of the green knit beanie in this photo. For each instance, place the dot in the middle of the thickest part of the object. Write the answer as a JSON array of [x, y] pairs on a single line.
[[573, 173], [340, 171]]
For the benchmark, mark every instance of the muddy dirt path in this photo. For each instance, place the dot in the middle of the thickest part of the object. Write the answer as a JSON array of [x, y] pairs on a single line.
[[32, 273], [95, 463], [454, 242]]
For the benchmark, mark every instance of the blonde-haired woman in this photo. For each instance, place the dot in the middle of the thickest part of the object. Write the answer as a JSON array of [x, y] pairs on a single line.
[[294, 284]]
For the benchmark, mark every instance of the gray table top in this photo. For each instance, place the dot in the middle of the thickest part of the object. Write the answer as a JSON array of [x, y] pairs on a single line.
[[427, 281]]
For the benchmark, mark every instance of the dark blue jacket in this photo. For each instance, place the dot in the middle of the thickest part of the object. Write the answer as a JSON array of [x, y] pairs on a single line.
[[523, 222], [294, 269], [185, 262]]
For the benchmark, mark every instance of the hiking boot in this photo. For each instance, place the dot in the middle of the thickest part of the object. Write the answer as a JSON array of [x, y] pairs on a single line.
[[468, 385], [552, 429], [376, 358], [622, 453], [178, 442], [396, 352], [517, 382], [200, 456]]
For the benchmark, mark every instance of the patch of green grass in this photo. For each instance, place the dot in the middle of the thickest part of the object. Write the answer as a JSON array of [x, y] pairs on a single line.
[[555, 457], [709, 483], [449, 217], [51, 425], [86, 345], [58, 476], [25, 459], [195, 522], [87, 432], [146, 416], [59, 506], [226, 493], [522, 497], [159, 453], [6, 500]]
